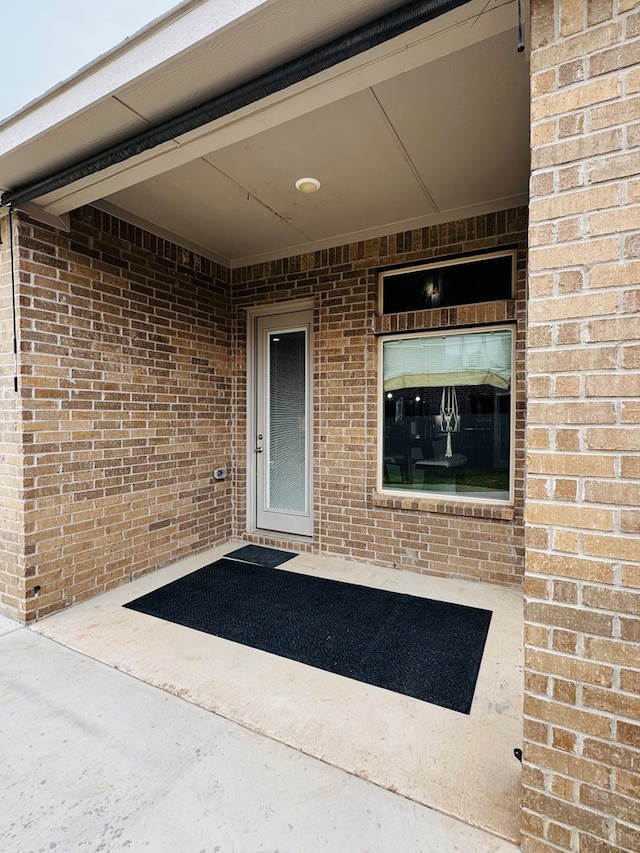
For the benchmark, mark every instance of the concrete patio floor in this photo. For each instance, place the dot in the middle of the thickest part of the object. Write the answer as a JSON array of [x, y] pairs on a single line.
[[96, 759]]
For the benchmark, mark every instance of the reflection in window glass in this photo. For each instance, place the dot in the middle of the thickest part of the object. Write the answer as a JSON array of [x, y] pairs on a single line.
[[447, 414], [466, 282]]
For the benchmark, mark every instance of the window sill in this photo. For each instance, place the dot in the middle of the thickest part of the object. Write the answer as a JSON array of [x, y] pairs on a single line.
[[498, 512]]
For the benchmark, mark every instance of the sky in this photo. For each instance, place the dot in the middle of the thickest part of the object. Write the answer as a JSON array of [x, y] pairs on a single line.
[[46, 41]]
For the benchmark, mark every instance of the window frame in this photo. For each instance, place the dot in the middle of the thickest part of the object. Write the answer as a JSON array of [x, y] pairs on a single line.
[[450, 262], [433, 496]]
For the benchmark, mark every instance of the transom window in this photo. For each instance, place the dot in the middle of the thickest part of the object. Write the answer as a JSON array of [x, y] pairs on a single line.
[[463, 281], [447, 414]]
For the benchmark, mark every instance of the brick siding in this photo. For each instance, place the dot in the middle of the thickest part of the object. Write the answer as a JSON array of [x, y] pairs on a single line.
[[125, 395], [472, 540], [11, 508], [582, 738]]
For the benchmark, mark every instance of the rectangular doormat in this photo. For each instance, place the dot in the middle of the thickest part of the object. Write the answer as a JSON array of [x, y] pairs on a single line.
[[430, 650], [271, 557]]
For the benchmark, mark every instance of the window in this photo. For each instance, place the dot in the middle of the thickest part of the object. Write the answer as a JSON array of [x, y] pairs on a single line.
[[447, 414], [464, 281]]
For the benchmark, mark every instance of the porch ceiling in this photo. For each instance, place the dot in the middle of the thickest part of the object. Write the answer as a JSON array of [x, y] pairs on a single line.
[[428, 127]]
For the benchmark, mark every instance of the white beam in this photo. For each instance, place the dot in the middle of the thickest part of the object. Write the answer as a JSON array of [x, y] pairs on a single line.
[[62, 222]]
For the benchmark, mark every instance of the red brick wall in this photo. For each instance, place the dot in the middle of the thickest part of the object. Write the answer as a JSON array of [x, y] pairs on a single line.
[[470, 540], [126, 396], [582, 706]]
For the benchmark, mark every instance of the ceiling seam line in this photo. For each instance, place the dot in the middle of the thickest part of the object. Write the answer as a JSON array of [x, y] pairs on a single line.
[[256, 198], [131, 110], [405, 153]]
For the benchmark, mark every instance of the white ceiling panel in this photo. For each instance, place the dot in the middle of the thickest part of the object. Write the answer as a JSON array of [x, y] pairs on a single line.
[[464, 120], [353, 152], [209, 210], [453, 132]]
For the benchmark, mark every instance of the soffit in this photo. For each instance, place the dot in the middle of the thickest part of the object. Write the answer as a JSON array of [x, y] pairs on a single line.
[[100, 125], [426, 128], [444, 140], [464, 122], [188, 56], [248, 190], [272, 35]]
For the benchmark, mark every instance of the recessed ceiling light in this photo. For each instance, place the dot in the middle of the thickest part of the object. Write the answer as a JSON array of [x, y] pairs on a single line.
[[308, 185]]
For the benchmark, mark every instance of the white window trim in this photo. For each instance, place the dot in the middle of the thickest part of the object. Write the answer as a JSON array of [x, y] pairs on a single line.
[[446, 496]]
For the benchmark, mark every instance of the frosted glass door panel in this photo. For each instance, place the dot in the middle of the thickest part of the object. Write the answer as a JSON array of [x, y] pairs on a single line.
[[287, 421], [283, 432]]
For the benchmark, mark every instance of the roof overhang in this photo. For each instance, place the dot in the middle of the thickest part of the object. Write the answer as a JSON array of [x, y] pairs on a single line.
[[425, 127]]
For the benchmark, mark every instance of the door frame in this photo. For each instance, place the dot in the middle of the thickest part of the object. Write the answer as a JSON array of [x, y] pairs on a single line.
[[253, 315]]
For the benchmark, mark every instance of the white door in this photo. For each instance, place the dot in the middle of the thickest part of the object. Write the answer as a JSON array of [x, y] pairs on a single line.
[[283, 434]]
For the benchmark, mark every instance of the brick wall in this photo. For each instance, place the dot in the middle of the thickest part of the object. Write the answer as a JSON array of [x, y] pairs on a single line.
[[582, 704], [132, 390], [126, 395], [11, 513], [470, 541]]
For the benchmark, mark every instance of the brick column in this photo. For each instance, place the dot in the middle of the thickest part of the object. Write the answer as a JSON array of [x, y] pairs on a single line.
[[582, 706], [11, 479]]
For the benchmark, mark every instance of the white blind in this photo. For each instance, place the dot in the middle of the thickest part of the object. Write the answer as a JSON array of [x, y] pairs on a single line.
[[287, 406], [474, 358]]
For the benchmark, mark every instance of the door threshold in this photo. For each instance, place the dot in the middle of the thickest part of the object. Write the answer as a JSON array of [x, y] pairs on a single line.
[[281, 537]]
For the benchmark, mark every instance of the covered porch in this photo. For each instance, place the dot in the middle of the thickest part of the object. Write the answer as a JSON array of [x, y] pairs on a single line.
[[155, 281], [153, 271], [460, 765], [155, 250]]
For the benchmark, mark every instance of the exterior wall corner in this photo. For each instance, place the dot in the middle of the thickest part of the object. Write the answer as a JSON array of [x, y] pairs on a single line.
[[582, 572], [12, 544]]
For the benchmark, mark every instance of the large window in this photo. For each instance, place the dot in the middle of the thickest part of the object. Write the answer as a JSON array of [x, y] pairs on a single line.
[[447, 414]]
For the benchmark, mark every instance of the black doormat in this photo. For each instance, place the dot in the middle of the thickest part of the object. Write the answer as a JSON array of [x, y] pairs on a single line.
[[262, 556], [427, 649]]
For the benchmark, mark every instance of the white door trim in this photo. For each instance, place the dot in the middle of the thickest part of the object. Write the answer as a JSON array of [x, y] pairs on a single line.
[[253, 314]]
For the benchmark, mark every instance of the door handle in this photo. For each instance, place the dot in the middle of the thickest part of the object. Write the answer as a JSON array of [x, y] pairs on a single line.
[[259, 450]]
